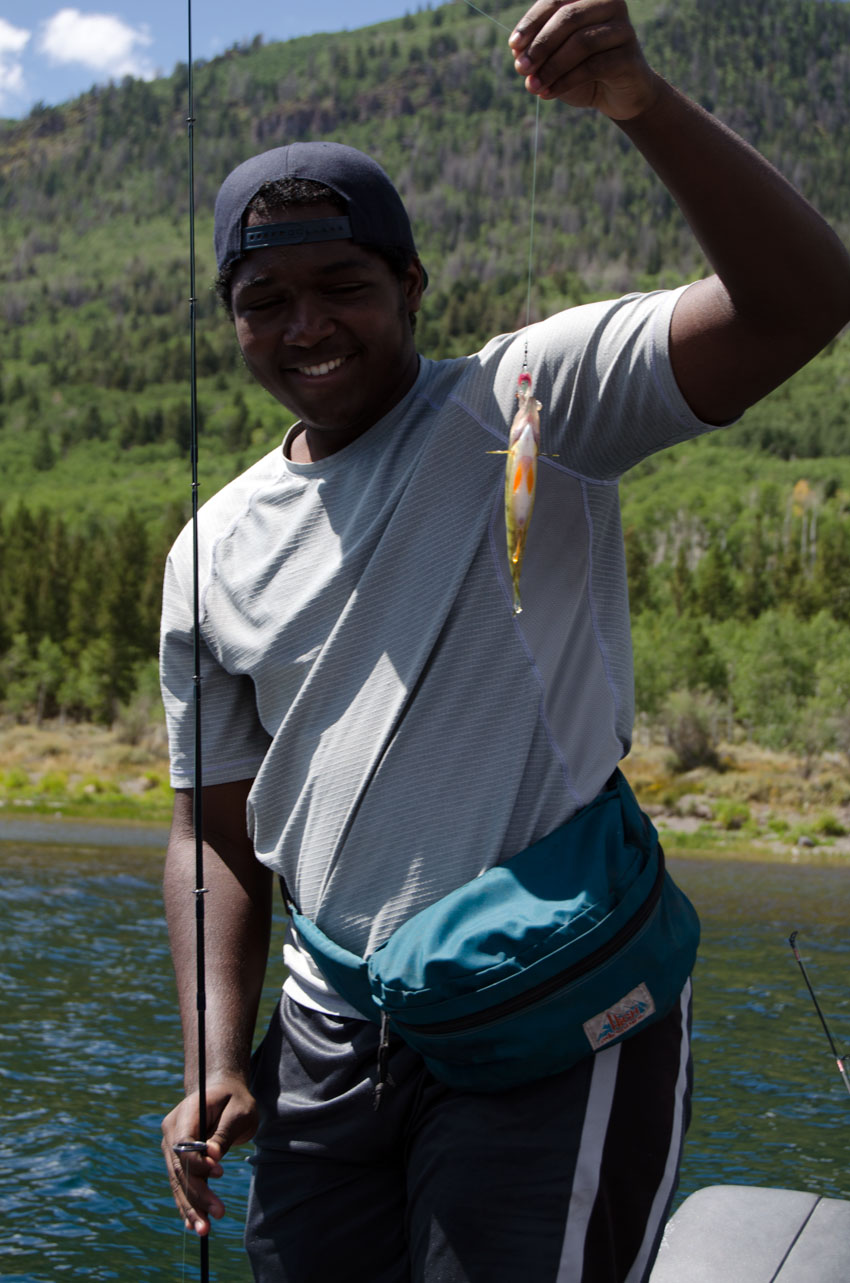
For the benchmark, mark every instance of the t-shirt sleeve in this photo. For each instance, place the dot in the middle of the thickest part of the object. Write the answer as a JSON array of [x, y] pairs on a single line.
[[620, 398], [233, 741], [603, 375]]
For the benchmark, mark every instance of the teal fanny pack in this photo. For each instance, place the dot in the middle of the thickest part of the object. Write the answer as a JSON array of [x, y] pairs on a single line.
[[570, 946]]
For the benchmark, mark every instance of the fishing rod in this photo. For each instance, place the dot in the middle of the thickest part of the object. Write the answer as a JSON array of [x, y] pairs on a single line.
[[839, 1060], [198, 1146]]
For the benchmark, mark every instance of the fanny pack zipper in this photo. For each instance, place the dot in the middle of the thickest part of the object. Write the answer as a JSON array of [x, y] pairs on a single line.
[[546, 988]]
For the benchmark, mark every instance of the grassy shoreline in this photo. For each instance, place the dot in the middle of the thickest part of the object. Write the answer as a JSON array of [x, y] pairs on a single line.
[[77, 771], [760, 806]]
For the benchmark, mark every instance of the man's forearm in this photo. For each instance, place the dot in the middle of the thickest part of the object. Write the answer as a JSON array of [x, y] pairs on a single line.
[[237, 908], [775, 255], [237, 917]]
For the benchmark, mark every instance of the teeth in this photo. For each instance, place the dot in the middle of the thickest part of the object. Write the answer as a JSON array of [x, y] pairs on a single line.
[[324, 368]]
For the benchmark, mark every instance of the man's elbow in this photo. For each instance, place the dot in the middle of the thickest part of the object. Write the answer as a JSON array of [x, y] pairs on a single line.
[[828, 312]]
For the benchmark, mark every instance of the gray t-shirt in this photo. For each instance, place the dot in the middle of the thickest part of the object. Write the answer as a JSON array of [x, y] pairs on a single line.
[[360, 659]]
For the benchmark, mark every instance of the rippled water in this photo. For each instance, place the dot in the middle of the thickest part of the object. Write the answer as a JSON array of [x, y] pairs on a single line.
[[90, 1057], [770, 1106]]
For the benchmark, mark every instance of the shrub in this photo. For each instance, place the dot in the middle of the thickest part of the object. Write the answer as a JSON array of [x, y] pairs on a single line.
[[731, 814], [689, 726], [54, 783], [16, 780], [829, 826]]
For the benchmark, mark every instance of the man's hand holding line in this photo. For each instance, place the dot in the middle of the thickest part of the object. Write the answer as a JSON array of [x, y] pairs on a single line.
[[587, 54]]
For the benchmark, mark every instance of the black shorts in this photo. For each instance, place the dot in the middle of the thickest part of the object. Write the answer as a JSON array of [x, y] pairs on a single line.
[[566, 1180]]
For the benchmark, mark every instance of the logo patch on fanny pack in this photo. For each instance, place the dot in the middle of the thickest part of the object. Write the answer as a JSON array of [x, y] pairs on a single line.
[[619, 1018]]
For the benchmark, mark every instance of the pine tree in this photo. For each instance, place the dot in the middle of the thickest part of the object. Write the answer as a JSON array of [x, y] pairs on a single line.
[[638, 567], [55, 583], [830, 586], [124, 633], [22, 554], [756, 594], [43, 456], [682, 582], [715, 587], [85, 606]]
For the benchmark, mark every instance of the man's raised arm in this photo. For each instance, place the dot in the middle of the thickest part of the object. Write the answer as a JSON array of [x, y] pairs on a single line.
[[782, 284], [237, 925]]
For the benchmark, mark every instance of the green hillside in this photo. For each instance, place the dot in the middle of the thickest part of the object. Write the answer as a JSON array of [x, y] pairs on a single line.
[[94, 315]]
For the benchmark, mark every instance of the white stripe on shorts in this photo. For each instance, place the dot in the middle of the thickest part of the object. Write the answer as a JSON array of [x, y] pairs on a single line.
[[588, 1163], [662, 1194]]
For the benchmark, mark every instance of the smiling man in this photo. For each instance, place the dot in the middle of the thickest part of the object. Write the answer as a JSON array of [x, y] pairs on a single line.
[[381, 728], [321, 306]]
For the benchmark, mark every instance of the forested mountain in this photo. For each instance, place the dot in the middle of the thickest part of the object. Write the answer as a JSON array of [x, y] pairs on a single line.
[[94, 314]]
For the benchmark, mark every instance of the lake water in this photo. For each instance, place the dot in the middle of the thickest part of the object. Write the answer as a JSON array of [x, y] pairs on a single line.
[[90, 1055]]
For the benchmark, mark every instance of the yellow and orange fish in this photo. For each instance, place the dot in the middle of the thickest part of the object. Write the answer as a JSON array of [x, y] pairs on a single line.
[[521, 476]]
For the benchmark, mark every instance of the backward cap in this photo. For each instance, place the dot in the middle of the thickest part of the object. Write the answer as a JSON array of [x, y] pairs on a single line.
[[375, 209]]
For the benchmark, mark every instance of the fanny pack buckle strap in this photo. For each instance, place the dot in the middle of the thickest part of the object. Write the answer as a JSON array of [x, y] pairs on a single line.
[[385, 1078]]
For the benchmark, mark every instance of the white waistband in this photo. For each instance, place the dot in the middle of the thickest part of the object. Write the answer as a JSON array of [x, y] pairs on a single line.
[[305, 983]]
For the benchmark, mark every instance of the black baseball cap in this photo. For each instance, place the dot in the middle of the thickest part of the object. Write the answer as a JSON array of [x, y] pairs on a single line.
[[375, 214]]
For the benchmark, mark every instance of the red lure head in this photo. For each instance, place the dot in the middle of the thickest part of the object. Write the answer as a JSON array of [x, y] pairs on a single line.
[[527, 412], [523, 391]]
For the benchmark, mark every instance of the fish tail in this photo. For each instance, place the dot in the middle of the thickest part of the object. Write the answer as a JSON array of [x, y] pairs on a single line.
[[515, 569]]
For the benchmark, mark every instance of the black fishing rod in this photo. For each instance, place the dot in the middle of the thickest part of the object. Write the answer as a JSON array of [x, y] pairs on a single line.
[[839, 1060], [198, 1146]]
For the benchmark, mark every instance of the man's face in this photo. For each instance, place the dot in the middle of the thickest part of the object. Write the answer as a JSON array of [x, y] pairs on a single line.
[[325, 329]]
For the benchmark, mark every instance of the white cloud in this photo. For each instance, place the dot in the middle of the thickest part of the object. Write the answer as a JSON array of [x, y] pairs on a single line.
[[12, 43], [103, 42]]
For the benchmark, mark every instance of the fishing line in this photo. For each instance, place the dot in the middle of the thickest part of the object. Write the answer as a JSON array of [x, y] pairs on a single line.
[[489, 17], [839, 1060], [534, 149], [198, 1146], [186, 1233], [531, 232]]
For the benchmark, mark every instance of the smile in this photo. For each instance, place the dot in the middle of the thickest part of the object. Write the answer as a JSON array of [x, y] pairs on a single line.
[[325, 368]]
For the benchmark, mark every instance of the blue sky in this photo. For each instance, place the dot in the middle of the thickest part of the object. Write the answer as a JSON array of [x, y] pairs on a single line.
[[50, 52]]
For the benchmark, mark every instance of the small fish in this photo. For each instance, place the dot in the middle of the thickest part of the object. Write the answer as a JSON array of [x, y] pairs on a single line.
[[521, 476]]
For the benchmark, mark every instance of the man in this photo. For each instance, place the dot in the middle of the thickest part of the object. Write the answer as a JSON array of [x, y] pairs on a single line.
[[392, 729]]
